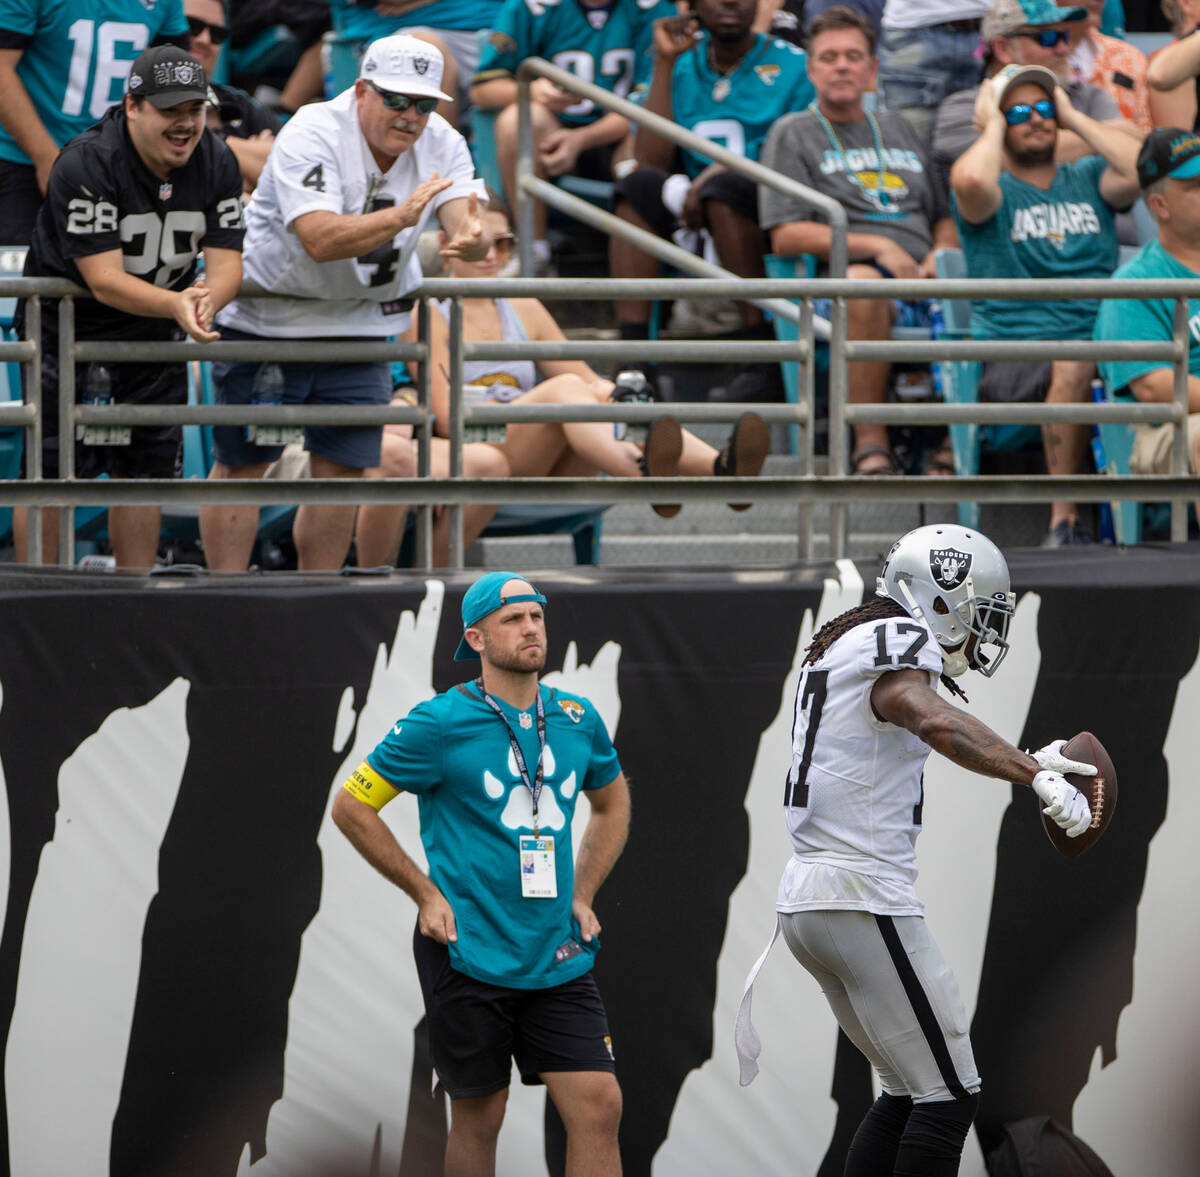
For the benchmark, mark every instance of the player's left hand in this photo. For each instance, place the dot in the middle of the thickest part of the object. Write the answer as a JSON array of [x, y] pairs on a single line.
[[558, 150], [1066, 806], [1051, 759], [469, 241], [589, 925], [194, 313]]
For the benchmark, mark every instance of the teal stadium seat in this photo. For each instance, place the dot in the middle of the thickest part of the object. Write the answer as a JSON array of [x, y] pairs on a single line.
[[12, 439]]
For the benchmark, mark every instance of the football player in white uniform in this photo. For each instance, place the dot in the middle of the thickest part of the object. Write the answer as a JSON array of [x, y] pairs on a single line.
[[866, 716], [348, 188]]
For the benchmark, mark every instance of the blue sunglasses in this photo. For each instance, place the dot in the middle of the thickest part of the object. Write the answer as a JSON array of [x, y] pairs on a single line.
[[1023, 112], [395, 101], [1048, 38]]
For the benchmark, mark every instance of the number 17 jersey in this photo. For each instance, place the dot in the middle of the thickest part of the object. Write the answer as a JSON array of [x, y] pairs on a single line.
[[855, 787]]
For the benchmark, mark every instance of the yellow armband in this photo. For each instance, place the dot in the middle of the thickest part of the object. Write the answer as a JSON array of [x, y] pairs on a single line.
[[367, 785]]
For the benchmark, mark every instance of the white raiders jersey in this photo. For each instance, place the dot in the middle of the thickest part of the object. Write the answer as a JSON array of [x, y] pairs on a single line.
[[855, 788], [320, 161]]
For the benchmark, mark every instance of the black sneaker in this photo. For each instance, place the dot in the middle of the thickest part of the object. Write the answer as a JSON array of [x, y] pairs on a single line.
[[745, 452]]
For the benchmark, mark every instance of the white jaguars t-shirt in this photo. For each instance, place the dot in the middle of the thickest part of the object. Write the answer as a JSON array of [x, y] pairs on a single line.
[[855, 788], [320, 161]]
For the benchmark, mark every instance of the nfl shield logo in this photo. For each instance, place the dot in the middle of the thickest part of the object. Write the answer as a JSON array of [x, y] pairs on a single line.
[[949, 567], [164, 191]]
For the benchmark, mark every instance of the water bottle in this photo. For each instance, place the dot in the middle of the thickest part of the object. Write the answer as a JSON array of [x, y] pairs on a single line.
[[97, 390], [937, 329], [268, 390], [632, 388]]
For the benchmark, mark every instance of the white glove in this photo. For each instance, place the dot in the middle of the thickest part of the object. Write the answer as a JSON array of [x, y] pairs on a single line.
[[1066, 806], [1052, 760]]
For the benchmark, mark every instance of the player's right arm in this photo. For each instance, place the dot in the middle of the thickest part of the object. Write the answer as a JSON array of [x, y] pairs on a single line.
[[20, 118], [359, 820], [905, 698]]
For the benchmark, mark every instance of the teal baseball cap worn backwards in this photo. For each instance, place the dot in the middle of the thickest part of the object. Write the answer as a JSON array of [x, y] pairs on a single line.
[[484, 597]]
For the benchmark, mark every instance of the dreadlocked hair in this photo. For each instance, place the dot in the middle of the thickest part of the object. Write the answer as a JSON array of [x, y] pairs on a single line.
[[875, 609]]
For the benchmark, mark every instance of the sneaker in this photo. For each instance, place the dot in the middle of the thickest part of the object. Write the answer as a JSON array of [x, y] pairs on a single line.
[[636, 387], [756, 384], [745, 452], [660, 458], [1066, 534]]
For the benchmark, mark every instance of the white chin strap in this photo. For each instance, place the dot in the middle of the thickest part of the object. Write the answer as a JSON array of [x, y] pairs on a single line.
[[954, 662]]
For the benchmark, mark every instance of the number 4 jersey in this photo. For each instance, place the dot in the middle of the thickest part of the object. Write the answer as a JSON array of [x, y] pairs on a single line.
[[855, 787], [103, 197]]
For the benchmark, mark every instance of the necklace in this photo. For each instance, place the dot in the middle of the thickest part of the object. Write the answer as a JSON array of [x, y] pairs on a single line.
[[875, 194], [723, 84]]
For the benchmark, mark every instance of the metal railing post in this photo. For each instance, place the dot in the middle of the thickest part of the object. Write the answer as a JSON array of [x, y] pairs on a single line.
[[839, 386], [807, 395], [457, 554], [1179, 443], [424, 434], [524, 209], [66, 424], [33, 450]]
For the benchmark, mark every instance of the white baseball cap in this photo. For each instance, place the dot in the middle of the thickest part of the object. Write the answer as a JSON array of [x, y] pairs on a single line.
[[404, 65]]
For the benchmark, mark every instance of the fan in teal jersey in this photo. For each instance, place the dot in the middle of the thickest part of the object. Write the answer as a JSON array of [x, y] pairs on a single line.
[[715, 76], [606, 44], [63, 63]]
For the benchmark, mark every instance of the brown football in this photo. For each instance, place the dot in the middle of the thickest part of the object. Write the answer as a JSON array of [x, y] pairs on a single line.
[[1100, 790]]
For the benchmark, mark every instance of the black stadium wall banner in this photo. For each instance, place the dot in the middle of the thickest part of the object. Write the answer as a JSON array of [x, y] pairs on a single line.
[[199, 976]]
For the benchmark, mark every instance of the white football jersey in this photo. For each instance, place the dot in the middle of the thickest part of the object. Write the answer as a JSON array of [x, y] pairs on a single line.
[[855, 788], [320, 161]]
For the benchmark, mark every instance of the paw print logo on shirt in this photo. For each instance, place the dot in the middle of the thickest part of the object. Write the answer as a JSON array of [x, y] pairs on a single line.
[[518, 809]]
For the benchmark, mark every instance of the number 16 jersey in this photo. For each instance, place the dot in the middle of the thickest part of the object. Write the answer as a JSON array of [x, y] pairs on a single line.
[[855, 787]]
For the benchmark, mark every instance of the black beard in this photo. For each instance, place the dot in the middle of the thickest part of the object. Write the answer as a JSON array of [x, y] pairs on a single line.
[[729, 38], [1033, 158]]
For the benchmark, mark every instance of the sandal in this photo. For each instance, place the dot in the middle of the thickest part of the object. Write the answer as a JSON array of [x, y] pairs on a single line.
[[660, 458], [940, 463], [891, 466]]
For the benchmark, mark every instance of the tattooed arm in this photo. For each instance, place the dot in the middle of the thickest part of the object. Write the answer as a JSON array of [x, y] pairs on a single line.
[[905, 698]]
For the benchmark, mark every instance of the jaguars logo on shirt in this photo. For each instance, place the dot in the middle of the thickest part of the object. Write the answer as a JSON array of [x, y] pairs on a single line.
[[572, 708], [767, 73]]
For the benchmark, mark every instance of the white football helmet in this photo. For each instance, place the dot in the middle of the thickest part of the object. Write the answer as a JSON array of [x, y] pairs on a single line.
[[956, 581]]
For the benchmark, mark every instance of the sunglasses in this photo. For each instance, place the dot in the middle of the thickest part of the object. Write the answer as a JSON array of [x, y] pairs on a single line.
[[1048, 38], [218, 34], [1023, 112], [395, 101]]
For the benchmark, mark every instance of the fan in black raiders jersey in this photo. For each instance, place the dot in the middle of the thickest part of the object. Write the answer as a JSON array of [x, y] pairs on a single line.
[[132, 204], [867, 714]]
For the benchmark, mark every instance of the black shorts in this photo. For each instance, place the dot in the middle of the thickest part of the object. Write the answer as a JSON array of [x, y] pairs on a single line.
[[476, 1030], [152, 452], [20, 199], [643, 189]]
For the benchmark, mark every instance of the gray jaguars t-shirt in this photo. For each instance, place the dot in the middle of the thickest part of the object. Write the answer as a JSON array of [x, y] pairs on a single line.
[[902, 203]]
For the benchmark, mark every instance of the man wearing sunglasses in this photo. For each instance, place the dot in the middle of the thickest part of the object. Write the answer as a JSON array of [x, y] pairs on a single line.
[[1027, 32], [247, 126], [1021, 214], [348, 188], [63, 63]]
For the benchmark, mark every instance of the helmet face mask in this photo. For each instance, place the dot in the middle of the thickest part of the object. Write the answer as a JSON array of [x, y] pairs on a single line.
[[956, 581]]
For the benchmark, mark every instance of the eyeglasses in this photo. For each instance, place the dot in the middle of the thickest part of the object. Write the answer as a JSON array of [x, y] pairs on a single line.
[[504, 243], [1023, 112], [395, 101], [1048, 38], [218, 34]]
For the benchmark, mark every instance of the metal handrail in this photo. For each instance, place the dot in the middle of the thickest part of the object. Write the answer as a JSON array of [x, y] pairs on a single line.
[[804, 489]]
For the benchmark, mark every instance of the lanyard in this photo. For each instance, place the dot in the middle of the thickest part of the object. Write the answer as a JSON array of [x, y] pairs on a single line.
[[877, 196], [534, 786]]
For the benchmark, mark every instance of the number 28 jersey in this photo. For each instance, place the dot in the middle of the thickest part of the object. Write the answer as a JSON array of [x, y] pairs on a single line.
[[855, 787]]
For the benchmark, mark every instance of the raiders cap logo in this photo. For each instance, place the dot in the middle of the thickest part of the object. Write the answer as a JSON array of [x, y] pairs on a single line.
[[421, 64], [949, 567]]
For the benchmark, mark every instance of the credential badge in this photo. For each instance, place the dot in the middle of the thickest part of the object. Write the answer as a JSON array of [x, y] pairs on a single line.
[[949, 567]]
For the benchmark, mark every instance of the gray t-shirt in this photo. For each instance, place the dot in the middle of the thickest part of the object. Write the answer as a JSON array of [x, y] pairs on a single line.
[[900, 200], [954, 127]]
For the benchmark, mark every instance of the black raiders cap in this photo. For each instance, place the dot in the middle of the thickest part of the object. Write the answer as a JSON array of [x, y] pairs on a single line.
[[167, 76]]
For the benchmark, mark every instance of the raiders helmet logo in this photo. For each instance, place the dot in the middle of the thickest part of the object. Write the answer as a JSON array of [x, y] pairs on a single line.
[[949, 567], [572, 708], [421, 64]]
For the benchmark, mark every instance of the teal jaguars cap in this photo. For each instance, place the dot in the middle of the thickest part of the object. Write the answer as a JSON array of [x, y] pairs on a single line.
[[484, 597]]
